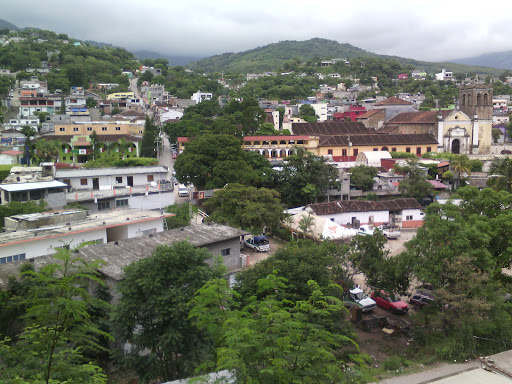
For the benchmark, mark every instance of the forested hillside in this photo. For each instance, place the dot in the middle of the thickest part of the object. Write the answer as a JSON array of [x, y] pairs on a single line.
[[72, 63], [273, 57]]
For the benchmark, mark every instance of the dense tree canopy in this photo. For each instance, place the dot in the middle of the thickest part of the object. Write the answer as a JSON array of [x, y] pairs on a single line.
[[212, 161], [304, 177], [246, 207], [152, 313]]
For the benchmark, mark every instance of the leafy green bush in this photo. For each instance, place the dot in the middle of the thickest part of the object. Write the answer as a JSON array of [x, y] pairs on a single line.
[[402, 155], [4, 171]]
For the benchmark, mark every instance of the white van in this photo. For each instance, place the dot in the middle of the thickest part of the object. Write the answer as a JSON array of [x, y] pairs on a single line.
[[182, 190]]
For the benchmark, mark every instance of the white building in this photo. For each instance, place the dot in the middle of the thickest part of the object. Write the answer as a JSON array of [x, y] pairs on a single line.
[[111, 178], [18, 123], [406, 212], [37, 234], [201, 96], [444, 75]]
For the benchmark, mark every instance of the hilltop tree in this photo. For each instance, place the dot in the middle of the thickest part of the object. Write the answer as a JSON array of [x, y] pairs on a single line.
[[307, 112], [362, 177]]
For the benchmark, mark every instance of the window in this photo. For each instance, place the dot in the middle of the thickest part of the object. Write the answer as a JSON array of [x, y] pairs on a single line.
[[119, 179], [102, 205], [67, 181], [103, 128], [64, 158], [118, 128], [83, 181], [375, 149], [393, 149], [429, 149], [148, 232], [9, 259], [344, 152], [151, 178], [75, 129], [122, 203], [408, 149], [89, 128], [329, 152], [418, 150], [225, 252], [355, 151], [62, 129], [408, 217]]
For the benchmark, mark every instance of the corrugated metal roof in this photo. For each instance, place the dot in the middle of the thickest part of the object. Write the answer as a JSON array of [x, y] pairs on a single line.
[[31, 186]]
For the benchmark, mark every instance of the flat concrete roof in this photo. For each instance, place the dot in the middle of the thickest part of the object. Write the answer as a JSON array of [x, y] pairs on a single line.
[[32, 186], [68, 173], [94, 221]]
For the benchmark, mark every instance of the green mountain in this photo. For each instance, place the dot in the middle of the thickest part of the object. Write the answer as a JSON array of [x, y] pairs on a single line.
[[272, 57], [6, 25], [502, 60]]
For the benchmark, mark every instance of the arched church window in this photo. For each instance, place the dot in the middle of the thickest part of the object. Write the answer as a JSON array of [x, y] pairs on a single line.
[[463, 100], [486, 99], [478, 99]]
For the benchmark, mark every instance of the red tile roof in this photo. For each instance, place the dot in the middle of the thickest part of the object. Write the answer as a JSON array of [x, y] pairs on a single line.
[[426, 117], [437, 184], [11, 152], [274, 138], [370, 113], [334, 207], [331, 128], [393, 101], [378, 140]]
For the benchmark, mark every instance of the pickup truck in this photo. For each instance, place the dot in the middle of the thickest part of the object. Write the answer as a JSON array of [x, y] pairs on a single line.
[[389, 231], [357, 297], [258, 243]]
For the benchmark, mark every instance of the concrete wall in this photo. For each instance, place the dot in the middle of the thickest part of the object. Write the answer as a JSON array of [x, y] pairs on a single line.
[[231, 261], [110, 181], [46, 246], [363, 217]]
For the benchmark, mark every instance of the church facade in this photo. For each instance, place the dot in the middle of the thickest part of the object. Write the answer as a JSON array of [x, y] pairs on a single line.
[[468, 130]]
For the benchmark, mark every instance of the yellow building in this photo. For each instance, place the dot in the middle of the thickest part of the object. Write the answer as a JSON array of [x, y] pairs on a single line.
[[121, 95], [101, 128]]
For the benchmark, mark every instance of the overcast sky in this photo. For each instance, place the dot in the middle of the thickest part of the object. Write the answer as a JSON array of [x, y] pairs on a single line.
[[431, 30]]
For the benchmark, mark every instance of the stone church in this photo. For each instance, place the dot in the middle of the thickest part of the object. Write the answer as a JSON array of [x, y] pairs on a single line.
[[466, 130]]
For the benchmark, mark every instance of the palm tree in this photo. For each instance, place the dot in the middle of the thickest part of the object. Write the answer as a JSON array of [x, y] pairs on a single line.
[[461, 165], [48, 150], [123, 146], [306, 223], [500, 175]]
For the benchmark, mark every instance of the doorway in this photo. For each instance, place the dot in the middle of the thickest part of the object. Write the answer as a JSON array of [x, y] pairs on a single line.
[[95, 183], [456, 146], [129, 181]]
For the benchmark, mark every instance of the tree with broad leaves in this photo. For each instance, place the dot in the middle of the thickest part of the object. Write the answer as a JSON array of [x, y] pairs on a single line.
[[272, 340], [246, 207], [152, 313], [304, 178], [58, 328]]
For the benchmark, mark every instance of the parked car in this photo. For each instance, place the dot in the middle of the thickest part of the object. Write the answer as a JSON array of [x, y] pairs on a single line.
[[390, 231], [258, 243], [356, 296], [421, 298], [174, 155], [182, 190], [389, 302]]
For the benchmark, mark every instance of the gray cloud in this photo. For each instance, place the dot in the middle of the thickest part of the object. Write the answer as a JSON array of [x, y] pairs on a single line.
[[435, 31]]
